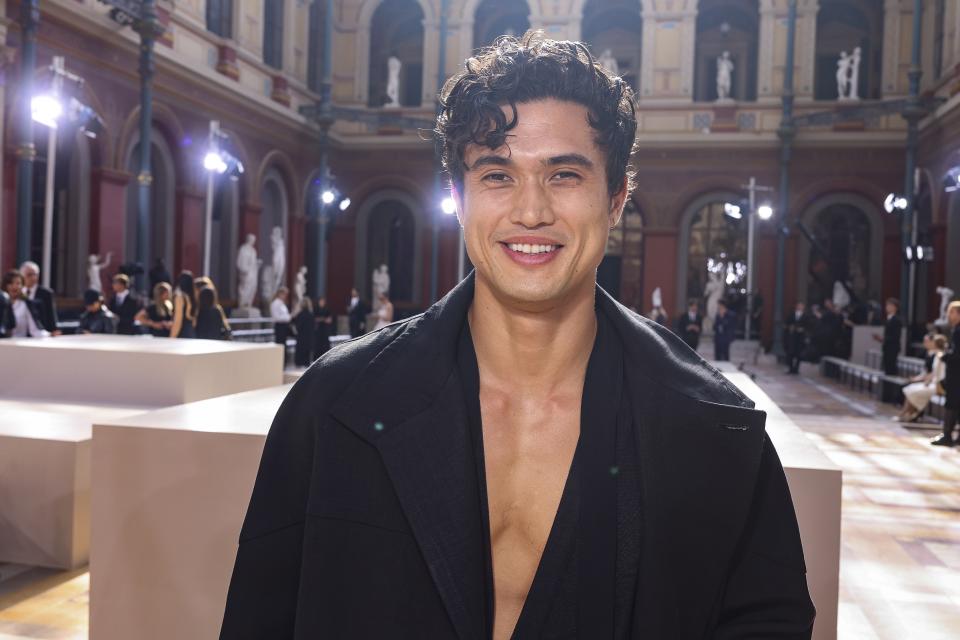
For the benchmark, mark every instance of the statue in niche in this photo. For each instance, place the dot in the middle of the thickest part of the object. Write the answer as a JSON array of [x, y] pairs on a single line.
[[843, 75], [393, 81], [841, 297], [946, 295], [854, 86], [300, 287], [724, 76], [279, 250], [609, 63], [381, 285], [247, 266], [93, 270], [713, 292]]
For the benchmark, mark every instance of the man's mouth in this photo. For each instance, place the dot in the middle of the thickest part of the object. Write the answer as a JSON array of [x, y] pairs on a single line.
[[532, 248]]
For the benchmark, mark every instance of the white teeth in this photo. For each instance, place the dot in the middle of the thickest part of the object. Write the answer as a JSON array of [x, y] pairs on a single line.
[[532, 248]]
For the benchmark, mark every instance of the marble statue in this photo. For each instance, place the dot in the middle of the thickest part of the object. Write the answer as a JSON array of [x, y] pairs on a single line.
[[247, 266], [841, 297], [724, 76], [609, 63], [278, 247], [946, 295], [393, 81], [93, 270], [381, 284], [713, 292], [300, 287], [657, 298], [843, 75], [854, 86]]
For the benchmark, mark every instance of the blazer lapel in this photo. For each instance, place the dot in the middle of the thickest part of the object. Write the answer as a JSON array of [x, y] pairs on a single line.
[[409, 404]]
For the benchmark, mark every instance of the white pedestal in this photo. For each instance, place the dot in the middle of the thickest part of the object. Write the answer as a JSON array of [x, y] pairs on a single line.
[[134, 370], [45, 481], [865, 339], [170, 490], [815, 486]]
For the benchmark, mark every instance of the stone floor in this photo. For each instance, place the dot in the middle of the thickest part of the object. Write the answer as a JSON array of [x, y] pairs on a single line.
[[900, 564]]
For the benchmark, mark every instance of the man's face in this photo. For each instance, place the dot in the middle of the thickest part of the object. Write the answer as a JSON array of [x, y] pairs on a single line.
[[891, 309], [354, 293], [693, 309], [536, 212], [800, 307], [118, 287], [30, 277], [953, 316], [93, 307]]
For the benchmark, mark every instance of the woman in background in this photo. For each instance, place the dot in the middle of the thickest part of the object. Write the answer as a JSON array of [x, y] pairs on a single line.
[[212, 322], [917, 395], [303, 325], [184, 307], [385, 312], [324, 321], [158, 315], [281, 319]]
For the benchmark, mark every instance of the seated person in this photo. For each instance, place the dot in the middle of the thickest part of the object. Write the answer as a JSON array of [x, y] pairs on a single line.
[[22, 316], [126, 304], [97, 318], [922, 388]]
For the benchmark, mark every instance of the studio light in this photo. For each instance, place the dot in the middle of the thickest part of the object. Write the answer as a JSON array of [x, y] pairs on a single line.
[[214, 162], [344, 204], [765, 211], [46, 110], [448, 206], [732, 210], [328, 196], [894, 203]]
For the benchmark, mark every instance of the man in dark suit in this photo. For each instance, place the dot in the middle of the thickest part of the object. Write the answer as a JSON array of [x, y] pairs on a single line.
[[690, 325], [6, 315], [724, 331], [357, 314], [951, 381], [126, 304], [42, 297], [527, 458], [796, 331], [892, 335]]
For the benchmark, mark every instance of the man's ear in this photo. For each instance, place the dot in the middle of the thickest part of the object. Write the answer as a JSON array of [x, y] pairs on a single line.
[[617, 201]]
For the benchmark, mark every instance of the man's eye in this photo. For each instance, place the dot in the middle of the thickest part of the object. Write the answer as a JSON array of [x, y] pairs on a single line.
[[566, 175], [496, 177]]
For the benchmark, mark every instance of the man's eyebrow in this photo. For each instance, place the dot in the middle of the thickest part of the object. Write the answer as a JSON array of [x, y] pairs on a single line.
[[570, 158], [491, 160]]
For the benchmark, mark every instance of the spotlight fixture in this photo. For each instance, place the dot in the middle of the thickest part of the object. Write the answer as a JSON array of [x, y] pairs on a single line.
[[732, 210], [894, 203], [765, 211]]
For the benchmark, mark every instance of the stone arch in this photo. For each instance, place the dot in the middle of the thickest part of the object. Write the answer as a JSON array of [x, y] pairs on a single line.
[[165, 171], [874, 220], [841, 26], [421, 223], [726, 25], [167, 122], [362, 48], [496, 15], [616, 25]]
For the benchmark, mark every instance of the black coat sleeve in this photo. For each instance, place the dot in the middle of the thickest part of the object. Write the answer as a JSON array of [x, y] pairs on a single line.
[[951, 355], [262, 600], [766, 596]]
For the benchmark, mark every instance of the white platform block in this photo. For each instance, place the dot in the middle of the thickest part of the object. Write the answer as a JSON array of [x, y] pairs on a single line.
[[816, 486], [170, 490], [45, 481], [134, 369]]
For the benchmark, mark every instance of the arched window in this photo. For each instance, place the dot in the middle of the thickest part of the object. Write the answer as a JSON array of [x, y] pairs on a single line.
[[717, 254], [495, 18], [275, 206], [843, 234], [396, 31], [273, 33], [621, 271], [390, 241], [162, 203], [842, 26], [615, 25], [220, 17], [726, 26]]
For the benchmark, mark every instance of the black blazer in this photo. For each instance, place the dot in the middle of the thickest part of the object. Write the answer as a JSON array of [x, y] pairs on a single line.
[[691, 338], [361, 524], [6, 315], [126, 313], [891, 335], [951, 381], [43, 300]]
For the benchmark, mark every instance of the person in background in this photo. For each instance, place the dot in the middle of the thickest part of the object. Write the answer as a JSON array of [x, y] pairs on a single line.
[[184, 307], [126, 304], [305, 327], [951, 378], [917, 394], [42, 297], [97, 318], [796, 332], [212, 323], [22, 316], [690, 325], [659, 315], [724, 331], [357, 313], [281, 319], [4, 313], [158, 315], [892, 330], [158, 273], [385, 312], [324, 322], [831, 330]]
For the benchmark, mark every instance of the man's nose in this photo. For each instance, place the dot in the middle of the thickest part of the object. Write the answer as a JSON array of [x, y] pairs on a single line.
[[532, 206]]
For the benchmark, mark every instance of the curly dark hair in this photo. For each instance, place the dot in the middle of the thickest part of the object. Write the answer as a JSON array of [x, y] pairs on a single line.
[[513, 71]]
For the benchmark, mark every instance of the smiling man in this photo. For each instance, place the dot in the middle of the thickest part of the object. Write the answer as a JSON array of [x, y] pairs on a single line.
[[527, 458]]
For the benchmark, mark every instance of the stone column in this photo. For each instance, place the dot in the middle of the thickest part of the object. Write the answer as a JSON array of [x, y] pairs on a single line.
[[667, 59], [108, 204], [431, 62]]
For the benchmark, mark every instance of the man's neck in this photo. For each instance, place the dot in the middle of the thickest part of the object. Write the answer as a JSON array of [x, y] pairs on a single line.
[[537, 350]]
